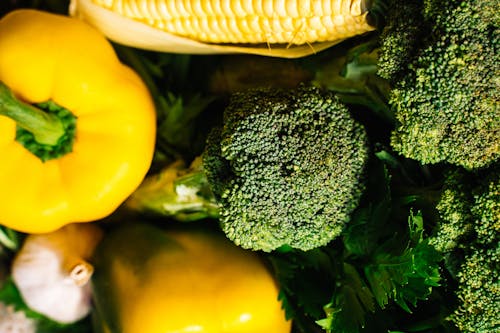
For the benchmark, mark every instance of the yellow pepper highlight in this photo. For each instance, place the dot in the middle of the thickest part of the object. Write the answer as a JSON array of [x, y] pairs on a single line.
[[49, 57], [185, 280]]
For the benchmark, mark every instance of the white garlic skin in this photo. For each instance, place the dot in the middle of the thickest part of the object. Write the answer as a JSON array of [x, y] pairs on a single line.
[[44, 272], [12, 321]]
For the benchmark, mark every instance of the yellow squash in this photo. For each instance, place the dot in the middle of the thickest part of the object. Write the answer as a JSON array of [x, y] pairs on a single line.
[[185, 280], [77, 156]]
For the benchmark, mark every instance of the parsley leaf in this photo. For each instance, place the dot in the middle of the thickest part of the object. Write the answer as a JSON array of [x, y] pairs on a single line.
[[408, 276]]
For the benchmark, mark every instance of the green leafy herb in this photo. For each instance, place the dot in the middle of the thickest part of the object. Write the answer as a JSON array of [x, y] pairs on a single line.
[[404, 277], [351, 300]]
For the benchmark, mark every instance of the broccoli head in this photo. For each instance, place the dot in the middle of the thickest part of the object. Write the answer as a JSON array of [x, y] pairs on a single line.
[[447, 103], [431, 73], [286, 168], [479, 292], [467, 233]]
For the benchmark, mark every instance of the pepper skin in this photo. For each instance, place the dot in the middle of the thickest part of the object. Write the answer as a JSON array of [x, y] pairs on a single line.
[[49, 57], [182, 280]]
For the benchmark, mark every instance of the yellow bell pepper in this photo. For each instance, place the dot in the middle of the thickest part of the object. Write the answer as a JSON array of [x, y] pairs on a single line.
[[81, 152], [185, 280]]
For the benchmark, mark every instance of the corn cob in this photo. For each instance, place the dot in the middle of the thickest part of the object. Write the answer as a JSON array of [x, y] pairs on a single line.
[[290, 22]]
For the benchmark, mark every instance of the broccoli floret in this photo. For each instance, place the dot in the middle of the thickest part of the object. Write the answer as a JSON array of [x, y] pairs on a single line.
[[286, 168], [446, 104], [467, 233], [399, 37], [479, 292], [469, 205], [440, 89], [454, 211], [486, 208]]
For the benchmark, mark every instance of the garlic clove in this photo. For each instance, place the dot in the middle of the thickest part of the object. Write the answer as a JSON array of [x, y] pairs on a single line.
[[12, 321]]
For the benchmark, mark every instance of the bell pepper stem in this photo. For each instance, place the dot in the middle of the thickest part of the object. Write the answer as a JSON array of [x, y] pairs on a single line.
[[46, 128]]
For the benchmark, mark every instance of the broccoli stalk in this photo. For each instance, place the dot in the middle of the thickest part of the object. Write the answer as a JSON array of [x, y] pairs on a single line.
[[285, 168], [178, 191]]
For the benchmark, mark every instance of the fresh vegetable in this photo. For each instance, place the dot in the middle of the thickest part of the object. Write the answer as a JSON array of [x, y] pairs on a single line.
[[467, 234], [52, 271], [248, 22], [439, 59], [77, 126], [26, 319], [284, 29], [182, 280], [176, 190], [286, 169], [13, 321], [419, 252], [447, 104]]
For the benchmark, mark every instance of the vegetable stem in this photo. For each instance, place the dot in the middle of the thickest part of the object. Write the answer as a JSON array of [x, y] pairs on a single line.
[[46, 128], [81, 272]]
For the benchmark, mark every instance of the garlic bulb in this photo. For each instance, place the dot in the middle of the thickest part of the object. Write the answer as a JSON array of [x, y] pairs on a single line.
[[51, 271], [12, 321]]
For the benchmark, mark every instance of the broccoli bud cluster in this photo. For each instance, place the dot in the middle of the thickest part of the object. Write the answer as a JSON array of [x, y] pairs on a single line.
[[468, 232], [286, 168]]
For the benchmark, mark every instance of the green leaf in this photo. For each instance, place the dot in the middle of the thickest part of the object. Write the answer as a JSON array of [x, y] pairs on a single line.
[[307, 280], [367, 226], [362, 236], [178, 120], [408, 276], [351, 300], [9, 238], [388, 158]]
